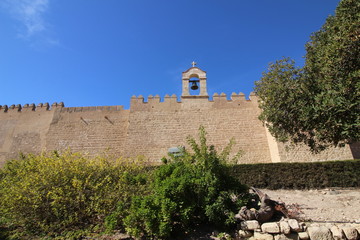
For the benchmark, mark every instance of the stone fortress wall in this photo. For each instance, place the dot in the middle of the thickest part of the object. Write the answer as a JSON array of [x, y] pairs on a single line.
[[150, 128]]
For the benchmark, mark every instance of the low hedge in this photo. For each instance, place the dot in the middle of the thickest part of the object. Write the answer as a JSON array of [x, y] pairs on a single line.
[[312, 175]]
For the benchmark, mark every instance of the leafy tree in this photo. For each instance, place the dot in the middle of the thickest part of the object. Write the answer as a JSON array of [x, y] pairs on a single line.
[[318, 104]]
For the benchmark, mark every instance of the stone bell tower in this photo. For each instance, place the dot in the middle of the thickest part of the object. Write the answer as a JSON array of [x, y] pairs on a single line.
[[190, 80]]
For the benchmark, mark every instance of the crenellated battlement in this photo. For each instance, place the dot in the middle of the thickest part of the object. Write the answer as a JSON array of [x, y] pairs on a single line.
[[140, 103], [60, 106], [234, 97], [89, 109], [31, 107], [153, 99], [173, 98]]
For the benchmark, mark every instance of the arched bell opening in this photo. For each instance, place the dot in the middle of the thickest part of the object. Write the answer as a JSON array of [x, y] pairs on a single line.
[[194, 82], [194, 86]]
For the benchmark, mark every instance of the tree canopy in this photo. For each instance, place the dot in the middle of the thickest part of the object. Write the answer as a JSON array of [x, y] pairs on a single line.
[[319, 103]]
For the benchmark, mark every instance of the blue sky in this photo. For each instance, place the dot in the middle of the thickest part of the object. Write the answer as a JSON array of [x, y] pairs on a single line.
[[101, 52]]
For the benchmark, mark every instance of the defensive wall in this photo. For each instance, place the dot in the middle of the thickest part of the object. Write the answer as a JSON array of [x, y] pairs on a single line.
[[150, 127]]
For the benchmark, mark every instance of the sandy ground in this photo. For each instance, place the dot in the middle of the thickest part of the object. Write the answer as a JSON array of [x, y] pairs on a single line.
[[338, 205]]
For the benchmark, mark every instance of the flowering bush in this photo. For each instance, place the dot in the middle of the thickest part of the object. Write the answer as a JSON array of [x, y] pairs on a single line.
[[53, 193]]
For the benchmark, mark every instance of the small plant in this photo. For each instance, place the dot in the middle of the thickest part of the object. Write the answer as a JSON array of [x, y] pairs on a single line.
[[193, 188], [224, 236]]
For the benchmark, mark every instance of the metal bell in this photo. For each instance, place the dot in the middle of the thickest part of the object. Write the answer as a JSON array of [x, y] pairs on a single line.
[[194, 86]]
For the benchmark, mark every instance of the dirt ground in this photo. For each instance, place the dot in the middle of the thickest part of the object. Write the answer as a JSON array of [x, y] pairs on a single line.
[[338, 205]]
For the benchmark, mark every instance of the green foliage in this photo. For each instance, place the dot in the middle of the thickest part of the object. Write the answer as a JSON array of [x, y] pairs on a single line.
[[191, 189], [281, 100], [69, 196], [319, 103], [62, 194], [313, 175]]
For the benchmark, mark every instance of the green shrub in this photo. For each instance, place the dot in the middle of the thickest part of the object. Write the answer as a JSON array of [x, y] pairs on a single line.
[[53, 194], [191, 189]]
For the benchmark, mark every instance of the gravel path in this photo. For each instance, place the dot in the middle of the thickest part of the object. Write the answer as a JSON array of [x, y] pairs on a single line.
[[339, 205]]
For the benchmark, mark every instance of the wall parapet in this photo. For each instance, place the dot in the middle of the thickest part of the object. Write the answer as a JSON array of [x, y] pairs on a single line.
[[96, 108], [136, 103], [234, 97], [30, 107], [140, 103], [167, 98], [153, 99]]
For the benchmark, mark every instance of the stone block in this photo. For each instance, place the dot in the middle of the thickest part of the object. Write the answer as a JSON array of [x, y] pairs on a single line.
[[303, 226], [319, 233], [351, 233], [357, 226], [249, 225], [245, 234], [337, 233], [294, 225], [263, 236], [303, 236], [270, 227], [284, 227], [292, 236]]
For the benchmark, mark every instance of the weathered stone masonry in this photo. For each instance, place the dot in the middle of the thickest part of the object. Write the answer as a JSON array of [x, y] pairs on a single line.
[[149, 127]]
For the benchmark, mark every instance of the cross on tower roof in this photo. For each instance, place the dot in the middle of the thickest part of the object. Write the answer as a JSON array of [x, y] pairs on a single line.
[[193, 63]]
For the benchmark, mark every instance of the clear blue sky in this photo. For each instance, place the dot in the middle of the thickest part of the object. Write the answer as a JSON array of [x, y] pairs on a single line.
[[101, 52]]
